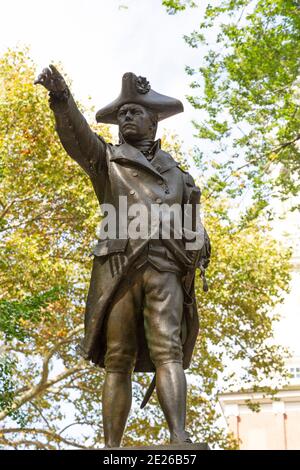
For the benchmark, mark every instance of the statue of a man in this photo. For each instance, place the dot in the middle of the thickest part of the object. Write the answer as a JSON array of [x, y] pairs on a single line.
[[141, 312]]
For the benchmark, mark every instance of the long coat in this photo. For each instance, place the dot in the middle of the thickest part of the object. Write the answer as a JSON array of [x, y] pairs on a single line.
[[122, 170]]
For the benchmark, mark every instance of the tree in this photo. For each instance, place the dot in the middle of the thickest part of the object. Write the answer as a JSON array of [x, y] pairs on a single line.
[[246, 89], [50, 398], [48, 217]]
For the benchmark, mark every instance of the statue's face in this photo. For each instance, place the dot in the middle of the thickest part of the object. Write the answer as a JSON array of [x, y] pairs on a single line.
[[136, 122]]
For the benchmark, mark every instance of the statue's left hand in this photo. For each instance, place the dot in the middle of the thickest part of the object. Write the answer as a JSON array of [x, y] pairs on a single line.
[[52, 80]]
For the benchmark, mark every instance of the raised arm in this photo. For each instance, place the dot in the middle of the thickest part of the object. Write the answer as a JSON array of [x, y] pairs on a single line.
[[76, 136]]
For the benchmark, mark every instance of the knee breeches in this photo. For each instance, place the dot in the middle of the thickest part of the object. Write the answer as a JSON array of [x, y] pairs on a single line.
[[156, 299]]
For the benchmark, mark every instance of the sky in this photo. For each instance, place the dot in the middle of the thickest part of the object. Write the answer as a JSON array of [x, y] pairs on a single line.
[[97, 41]]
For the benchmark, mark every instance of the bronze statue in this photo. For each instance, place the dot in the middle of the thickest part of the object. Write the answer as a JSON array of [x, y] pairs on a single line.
[[141, 313]]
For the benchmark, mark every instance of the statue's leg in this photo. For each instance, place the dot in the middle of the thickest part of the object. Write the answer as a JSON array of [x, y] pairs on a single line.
[[171, 393], [121, 337], [162, 318], [116, 404]]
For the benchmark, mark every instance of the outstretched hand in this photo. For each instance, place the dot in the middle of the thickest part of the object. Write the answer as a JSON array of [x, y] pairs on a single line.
[[51, 79]]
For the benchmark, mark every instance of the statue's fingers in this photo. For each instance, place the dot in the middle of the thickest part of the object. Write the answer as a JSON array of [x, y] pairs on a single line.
[[40, 79], [54, 70], [46, 72]]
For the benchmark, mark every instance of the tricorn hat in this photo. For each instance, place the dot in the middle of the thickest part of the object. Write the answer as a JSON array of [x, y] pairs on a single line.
[[137, 90]]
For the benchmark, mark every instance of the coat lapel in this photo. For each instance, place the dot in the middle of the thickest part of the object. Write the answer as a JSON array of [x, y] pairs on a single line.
[[126, 153], [160, 163]]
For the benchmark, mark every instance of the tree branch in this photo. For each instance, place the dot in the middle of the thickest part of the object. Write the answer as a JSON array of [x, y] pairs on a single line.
[[285, 144], [11, 203], [49, 355], [41, 387], [81, 423], [49, 434]]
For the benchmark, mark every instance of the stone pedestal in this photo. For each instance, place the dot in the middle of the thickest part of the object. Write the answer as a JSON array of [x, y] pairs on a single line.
[[165, 447]]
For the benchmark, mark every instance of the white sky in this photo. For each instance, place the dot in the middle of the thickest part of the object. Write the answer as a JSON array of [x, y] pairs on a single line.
[[97, 42]]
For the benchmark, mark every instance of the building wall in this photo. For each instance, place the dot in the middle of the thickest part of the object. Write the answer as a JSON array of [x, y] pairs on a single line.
[[275, 427]]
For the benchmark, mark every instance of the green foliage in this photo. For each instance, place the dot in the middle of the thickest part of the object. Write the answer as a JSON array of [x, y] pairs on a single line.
[[247, 277], [49, 215], [247, 89], [48, 219], [7, 390], [173, 6], [14, 314], [6, 382]]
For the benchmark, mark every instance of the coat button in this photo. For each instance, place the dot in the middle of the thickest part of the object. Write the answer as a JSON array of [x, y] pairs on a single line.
[[132, 191], [134, 173], [158, 200]]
